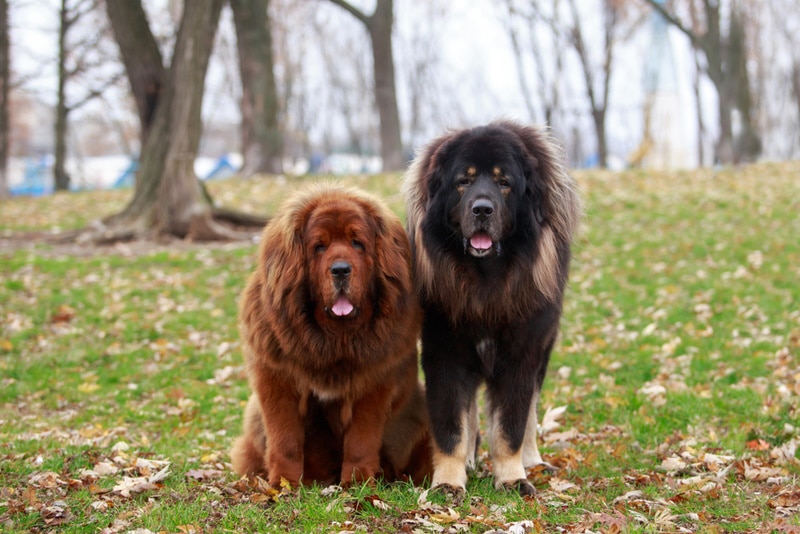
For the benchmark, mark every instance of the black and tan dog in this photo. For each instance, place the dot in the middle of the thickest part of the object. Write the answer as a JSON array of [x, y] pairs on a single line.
[[491, 214]]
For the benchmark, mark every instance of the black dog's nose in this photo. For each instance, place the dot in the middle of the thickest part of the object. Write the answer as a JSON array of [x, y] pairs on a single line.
[[341, 269], [482, 208]]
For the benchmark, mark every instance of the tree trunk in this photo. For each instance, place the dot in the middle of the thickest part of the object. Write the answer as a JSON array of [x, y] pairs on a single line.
[[141, 57], [379, 27], [169, 199], [60, 177], [747, 144], [599, 120], [262, 142], [380, 31], [5, 72], [796, 86], [726, 67]]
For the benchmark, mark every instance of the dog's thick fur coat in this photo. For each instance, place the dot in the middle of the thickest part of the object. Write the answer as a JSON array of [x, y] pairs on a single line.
[[329, 324], [491, 215]]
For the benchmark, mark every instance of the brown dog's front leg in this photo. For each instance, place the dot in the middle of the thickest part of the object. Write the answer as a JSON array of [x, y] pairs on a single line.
[[363, 435], [283, 421]]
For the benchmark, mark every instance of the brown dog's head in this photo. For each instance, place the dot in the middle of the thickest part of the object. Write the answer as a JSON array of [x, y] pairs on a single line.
[[339, 243], [338, 254]]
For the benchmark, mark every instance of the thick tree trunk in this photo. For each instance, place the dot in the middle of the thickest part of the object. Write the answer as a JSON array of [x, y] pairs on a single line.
[[262, 142], [5, 72], [60, 177], [169, 199], [379, 27], [380, 31], [141, 57]]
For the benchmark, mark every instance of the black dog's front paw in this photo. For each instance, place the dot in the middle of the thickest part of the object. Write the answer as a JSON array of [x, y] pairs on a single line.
[[453, 494], [522, 486]]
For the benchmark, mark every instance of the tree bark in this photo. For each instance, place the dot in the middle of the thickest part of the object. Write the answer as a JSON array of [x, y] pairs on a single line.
[[141, 57], [169, 198], [262, 141], [5, 72], [60, 177], [379, 27]]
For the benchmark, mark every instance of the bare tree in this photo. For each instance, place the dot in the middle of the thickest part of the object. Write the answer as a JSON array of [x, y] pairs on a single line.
[[597, 78], [262, 140], [570, 29], [79, 63], [726, 67], [348, 86], [5, 73], [168, 198], [379, 27], [548, 67]]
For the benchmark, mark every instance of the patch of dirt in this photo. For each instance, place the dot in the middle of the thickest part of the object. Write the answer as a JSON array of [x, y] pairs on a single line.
[[58, 244]]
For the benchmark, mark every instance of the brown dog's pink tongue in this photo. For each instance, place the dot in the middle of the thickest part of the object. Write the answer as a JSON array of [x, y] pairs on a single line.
[[342, 307], [481, 241]]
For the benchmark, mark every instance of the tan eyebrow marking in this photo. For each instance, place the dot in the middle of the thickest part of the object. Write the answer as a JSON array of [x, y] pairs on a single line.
[[472, 171]]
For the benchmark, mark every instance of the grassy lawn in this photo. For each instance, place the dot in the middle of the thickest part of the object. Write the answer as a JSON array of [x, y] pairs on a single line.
[[673, 395]]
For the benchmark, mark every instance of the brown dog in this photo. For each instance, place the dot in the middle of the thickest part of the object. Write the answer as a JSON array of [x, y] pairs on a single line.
[[329, 324]]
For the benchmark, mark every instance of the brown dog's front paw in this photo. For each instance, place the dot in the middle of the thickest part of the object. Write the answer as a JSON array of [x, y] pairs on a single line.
[[523, 486], [358, 475]]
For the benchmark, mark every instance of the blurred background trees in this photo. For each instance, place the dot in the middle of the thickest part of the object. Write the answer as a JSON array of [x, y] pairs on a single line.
[[348, 86]]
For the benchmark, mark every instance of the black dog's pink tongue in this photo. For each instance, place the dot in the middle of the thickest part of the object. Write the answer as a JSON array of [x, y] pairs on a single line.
[[481, 241], [342, 307]]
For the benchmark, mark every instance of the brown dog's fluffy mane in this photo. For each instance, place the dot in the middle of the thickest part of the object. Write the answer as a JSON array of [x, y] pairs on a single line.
[[275, 314], [535, 279]]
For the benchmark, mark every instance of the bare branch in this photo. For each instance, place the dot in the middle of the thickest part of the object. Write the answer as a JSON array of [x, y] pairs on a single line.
[[675, 21], [357, 13]]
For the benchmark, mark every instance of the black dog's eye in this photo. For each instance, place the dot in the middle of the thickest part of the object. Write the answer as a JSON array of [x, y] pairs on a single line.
[[463, 182], [504, 183], [358, 245]]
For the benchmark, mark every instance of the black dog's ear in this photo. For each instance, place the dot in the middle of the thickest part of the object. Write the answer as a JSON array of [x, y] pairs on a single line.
[[439, 157]]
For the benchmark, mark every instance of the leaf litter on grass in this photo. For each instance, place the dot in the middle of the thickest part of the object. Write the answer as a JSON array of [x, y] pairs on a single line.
[[676, 377]]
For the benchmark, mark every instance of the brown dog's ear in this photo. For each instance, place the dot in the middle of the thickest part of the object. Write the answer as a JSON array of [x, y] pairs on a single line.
[[281, 253], [393, 255]]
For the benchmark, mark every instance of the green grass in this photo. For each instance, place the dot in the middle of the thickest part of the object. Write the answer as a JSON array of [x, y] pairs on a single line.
[[680, 343]]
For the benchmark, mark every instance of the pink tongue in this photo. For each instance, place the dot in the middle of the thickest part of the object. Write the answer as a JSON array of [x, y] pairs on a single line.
[[342, 307], [481, 241]]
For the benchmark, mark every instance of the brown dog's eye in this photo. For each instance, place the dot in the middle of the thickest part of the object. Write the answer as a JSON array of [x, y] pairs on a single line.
[[319, 249], [358, 245]]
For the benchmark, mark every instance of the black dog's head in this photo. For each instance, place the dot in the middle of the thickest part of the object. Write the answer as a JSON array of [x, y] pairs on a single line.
[[495, 193], [482, 185]]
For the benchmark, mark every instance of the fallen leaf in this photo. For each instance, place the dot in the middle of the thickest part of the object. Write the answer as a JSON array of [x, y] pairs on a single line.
[[204, 474], [758, 445], [63, 314], [551, 418], [56, 513], [560, 485]]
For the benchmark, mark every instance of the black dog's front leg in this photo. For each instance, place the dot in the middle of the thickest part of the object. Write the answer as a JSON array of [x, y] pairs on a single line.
[[450, 388]]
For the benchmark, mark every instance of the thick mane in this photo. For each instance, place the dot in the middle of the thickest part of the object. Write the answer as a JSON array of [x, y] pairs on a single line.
[[282, 285], [533, 277]]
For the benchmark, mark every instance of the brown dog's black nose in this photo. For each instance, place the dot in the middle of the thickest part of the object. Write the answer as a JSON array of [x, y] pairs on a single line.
[[341, 269], [482, 208]]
